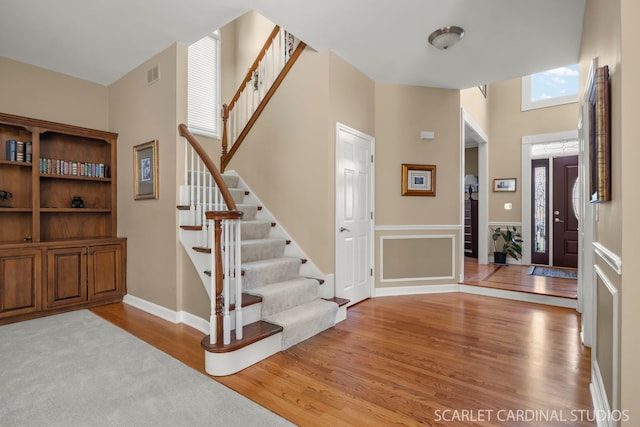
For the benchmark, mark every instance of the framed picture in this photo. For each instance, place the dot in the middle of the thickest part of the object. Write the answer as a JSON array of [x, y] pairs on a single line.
[[145, 170], [504, 184], [418, 180], [600, 136]]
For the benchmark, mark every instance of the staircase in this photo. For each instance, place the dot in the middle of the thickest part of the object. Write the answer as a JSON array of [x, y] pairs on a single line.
[[265, 296], [281, 306]]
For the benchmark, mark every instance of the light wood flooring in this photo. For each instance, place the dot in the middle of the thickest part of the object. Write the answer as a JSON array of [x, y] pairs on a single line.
[[410, 360], [516, 278]]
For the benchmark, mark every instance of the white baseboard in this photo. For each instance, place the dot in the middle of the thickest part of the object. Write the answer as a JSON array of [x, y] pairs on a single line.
[[599, 396], [476, 290], [519, 296], [167, 314], [413, 290]]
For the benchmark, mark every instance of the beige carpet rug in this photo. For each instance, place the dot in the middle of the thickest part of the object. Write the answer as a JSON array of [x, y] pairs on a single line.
[[76, 369]]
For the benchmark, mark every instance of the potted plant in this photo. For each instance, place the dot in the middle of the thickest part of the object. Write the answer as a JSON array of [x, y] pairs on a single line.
[[511, 240]]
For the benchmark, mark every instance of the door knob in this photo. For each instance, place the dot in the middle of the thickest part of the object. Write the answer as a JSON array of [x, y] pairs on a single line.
[[344, 229], [557, 220]]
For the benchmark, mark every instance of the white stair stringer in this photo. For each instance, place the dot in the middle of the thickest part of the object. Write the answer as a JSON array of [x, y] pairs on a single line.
[[308, 269]]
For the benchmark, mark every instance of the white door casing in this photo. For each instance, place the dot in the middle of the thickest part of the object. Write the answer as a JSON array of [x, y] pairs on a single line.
[[354, 214], [481, 140]]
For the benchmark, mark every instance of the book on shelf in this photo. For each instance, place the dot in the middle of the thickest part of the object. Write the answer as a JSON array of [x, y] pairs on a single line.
[[28, 151], [19, 151], [74, 168], [10, 149]]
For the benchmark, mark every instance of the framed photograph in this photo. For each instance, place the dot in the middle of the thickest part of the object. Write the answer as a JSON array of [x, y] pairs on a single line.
[[418, 180], [145, 170], [504, 184]]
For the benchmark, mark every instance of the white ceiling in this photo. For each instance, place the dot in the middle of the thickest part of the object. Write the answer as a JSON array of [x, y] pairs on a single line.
[[101, 40]]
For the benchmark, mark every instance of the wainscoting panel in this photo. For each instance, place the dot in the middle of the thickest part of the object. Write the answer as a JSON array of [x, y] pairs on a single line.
[[607, 336], [417, 258]]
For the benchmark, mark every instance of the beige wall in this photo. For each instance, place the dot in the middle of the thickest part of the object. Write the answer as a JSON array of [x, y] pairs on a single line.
[[401, 112], [474, 103], [251, 31], [601, 39], [611, 35], [42, 94], [471, 161], [507, 127], [629, 153], [141, 113]]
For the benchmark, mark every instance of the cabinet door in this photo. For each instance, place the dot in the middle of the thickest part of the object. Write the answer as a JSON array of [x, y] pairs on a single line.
[[19, 282], [105, 271], [66, 276]]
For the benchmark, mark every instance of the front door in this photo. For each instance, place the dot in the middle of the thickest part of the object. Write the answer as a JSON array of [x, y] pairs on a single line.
[[565, 217], [354, 215]]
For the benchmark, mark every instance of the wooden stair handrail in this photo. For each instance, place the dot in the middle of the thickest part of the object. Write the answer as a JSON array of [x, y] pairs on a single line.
[[217, 177], [226, 156], [254, 66]]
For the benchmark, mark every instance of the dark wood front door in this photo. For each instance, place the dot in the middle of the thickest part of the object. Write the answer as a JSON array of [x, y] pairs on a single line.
[[565, 221]]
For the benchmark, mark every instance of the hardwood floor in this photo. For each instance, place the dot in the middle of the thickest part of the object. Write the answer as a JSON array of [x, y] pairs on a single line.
[[517, 278], [411, 360]]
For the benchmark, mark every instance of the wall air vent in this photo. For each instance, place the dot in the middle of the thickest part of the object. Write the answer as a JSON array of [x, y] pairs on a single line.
[[153, 75]]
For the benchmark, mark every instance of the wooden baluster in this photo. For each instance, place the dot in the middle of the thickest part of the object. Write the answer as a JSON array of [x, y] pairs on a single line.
[[216, 321], [225, 135]]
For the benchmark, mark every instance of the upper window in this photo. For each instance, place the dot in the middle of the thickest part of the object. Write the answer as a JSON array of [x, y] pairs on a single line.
[[204, 86], [548, 88]]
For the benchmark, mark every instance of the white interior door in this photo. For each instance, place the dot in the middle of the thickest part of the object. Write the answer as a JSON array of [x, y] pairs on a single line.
[[354, 214]]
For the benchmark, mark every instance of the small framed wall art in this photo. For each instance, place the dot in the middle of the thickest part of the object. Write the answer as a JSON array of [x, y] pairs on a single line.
[[145, 170], [504, 184], [418, 180]]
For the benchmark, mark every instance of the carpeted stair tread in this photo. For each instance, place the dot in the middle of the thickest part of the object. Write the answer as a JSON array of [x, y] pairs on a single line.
[[257, 249], [237, 195], [281, 296], [304, 321], [266, 271], [253, 229], [231, 180], [250, 211]]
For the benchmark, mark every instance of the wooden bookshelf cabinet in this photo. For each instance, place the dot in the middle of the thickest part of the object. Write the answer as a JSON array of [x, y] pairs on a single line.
[[71, 256]]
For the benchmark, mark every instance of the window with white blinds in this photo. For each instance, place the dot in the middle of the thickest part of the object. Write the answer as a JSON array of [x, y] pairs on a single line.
[[204, 86]]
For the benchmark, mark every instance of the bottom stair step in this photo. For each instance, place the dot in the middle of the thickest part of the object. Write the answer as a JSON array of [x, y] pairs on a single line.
[[304, 321], [251, 333]]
